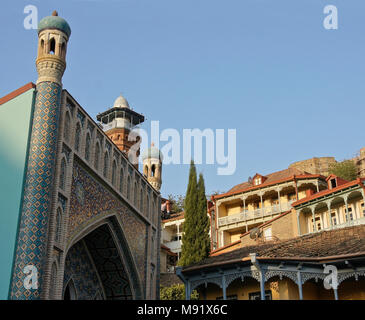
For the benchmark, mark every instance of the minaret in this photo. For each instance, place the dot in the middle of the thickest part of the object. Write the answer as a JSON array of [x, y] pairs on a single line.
[[117, 123], [152, 166], [33, 236]]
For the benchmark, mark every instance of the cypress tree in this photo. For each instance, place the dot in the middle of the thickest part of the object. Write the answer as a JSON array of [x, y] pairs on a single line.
[[188, 248], [203, 224], [195, 240]]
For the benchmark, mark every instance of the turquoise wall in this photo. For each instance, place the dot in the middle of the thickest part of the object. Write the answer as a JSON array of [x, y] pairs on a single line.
[[15, 119]]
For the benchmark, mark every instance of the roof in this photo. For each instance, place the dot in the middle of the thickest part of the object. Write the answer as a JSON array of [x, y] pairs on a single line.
[[17, 92], [326, 244], [175, 216], [168, 250], [54, 22], [328, 192], [272, 178]]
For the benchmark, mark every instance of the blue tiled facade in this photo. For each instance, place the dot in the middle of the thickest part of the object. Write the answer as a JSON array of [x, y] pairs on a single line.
[[32, 236]]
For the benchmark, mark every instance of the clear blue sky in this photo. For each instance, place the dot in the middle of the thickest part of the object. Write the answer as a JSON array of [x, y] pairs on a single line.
[[269, 69]]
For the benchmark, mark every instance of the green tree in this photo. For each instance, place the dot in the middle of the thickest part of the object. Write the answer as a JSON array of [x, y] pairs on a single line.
[[189, 244], [345, 169], [176, 203], [203, 221], [195, 240], [176, 292]]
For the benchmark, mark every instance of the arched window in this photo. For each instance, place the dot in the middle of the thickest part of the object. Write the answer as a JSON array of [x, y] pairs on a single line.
[[106, 164], [145, 171], [41, 48], [58, 225], [52, 46], [129, 188], [141, 200], [97, 156], [63, 174], [148, 206], [114, 172], [87, 147], [66, 128], [153, 169], [135, 194], [77, 136], [121, 180], [53, 281]]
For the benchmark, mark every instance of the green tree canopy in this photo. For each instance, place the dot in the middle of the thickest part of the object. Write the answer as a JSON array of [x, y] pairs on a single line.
[[176, 292], [195, 240], [176, 203], [345, 169]]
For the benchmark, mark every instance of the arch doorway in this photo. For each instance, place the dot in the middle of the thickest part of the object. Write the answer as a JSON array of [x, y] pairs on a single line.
[[96, 267]]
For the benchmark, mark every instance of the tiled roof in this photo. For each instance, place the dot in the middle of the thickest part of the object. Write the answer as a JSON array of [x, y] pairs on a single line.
[[345, 241], [175, 216], [272, 178]]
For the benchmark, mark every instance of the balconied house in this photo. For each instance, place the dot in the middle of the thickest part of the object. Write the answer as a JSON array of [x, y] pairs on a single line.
[[325, 229], [262, 198], [172, 229]]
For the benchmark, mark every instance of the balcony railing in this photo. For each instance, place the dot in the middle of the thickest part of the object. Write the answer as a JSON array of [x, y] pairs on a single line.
[[254, 214], [350, 223]]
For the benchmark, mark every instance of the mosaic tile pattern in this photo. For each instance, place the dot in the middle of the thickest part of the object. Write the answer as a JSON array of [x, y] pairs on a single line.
[[79, 267], [109, 265], [89, 198], [33, 228]]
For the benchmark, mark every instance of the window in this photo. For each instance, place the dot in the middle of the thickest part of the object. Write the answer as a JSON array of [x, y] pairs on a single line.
[[58, 225], [334, 219], [153, 169], [52, 46], [135, 194], [114, 170], [87, 147], [257, 181], [349, 214], [97, 156], [62, 174], [141, 200], [257, 295], [129, 188], [363, 209], [121, 180], [106, 164], [318, 224], [77, 137], [66, 128], [333, 183]]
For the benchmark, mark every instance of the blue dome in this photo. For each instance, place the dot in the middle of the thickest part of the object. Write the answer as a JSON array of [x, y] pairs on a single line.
[[152, 153], [54, 22]]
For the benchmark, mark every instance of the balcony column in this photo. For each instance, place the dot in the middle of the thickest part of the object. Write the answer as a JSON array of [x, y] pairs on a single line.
[[347, 215], [314, 219], [244, 212], [279, 200], [262, 206], [224, 288], [317, 185], [299, 277], [329, 214]]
